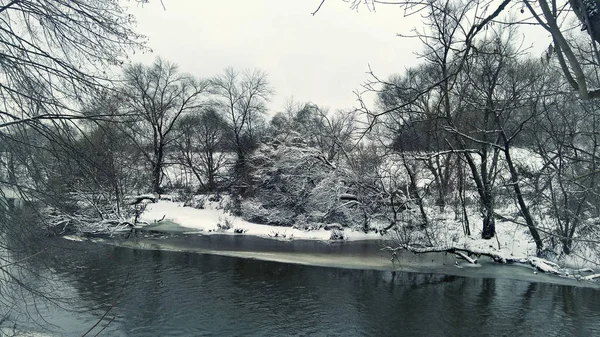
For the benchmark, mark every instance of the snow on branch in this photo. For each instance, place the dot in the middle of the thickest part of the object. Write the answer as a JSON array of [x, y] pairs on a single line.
[[464, 253], [467, 254]]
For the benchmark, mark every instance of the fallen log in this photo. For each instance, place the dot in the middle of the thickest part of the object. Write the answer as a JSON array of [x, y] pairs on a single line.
[[497, 257], [545, 266], [466, 258], [591, 277], [466, 253]]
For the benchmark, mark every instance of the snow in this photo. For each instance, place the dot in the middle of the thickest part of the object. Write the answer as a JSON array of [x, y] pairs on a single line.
[[74, 238], [445, 229], [544, 265], [511, 241], [212, 219], [591, 277]]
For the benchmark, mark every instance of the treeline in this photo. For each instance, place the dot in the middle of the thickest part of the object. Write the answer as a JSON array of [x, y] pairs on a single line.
[[484, 132]]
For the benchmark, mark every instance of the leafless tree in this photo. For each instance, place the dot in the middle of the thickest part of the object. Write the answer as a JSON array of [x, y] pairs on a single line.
[[158, 96], [110, 157], [332, 133], [566, 184], [421, 102], [54, 54], [471, 105], [243, 96], [202, 146]]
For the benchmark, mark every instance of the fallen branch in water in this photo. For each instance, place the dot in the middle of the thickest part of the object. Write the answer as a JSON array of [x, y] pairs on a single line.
[[466, 258], [539, 264], [546, 266], [465, 253], [591, 277]]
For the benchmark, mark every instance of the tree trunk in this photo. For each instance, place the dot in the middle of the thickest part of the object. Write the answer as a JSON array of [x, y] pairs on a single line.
[[157, 170], [489, 223], [567, 242], [461, 196], [414, 191], [484, 189], [587, 13], [211, 170], [521, 201]]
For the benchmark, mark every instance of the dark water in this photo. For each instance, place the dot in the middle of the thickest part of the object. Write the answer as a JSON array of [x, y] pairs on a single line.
[[159, 293]]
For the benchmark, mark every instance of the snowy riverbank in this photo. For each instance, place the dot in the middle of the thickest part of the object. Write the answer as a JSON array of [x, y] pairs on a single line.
[[213, 219], [512, 241]]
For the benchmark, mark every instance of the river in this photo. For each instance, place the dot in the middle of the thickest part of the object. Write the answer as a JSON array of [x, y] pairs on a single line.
[[167, 293]]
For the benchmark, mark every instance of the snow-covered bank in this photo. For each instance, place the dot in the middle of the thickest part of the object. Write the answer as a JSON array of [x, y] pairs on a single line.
[[214, 220], [512, 242]]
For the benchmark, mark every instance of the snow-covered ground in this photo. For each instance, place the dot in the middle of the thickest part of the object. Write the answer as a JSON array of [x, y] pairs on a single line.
[[213, 219], [512, 240]]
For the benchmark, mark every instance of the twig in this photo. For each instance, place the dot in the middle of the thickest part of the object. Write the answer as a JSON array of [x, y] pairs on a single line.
[[106, 326], [108, 310], [318, 8], [21, 260]]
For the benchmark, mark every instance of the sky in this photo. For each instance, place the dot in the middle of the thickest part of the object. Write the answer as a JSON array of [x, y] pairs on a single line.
[[322, 59]]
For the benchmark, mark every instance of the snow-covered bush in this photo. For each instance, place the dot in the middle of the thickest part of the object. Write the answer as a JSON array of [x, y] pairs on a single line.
[[294, 183]]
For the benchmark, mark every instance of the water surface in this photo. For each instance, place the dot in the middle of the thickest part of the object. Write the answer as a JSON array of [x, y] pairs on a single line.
[[163, 293]]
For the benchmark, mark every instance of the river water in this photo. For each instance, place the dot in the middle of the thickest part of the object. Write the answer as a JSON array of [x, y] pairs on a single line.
[[153, 292]]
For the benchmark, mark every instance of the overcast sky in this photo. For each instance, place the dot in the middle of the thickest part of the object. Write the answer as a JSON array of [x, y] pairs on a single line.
[[321, 58]]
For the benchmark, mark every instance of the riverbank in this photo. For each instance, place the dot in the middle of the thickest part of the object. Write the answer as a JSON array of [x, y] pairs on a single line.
[[212, 218], [176, 226], [511, 242]]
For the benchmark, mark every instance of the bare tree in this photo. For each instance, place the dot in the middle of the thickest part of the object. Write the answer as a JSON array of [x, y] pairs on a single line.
[[111, 158], [243, 96], [566, 188], [202, 145], [332, 133], [471, 105], [421, 103], [158, 95], [53, 53]]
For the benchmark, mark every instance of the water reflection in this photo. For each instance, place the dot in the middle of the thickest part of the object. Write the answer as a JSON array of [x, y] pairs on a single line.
[[182, 294]]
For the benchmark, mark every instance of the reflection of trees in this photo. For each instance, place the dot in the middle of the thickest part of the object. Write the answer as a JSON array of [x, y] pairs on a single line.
[[485, 300], [526, 300]]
